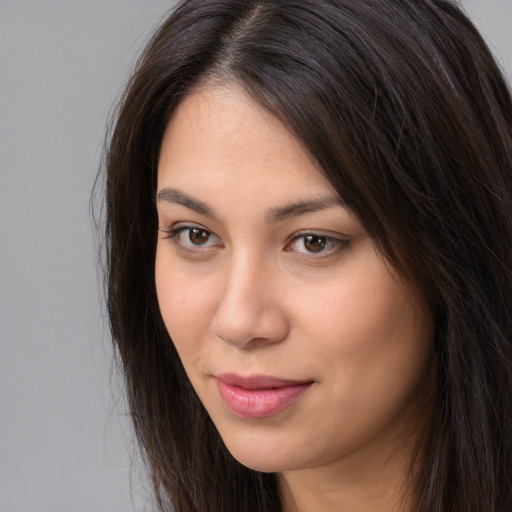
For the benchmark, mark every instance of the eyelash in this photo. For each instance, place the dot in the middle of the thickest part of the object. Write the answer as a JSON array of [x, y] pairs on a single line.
[[335, 244], [173, 234]]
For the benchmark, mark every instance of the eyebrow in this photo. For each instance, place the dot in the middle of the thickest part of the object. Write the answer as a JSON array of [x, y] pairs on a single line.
[[303, 207], [274, 215], [174, 196]]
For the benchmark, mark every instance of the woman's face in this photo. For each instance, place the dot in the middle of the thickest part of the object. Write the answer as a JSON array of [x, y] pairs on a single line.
[[303, 344]]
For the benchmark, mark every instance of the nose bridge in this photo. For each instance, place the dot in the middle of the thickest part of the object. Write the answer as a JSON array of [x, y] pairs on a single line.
[[249, 311]]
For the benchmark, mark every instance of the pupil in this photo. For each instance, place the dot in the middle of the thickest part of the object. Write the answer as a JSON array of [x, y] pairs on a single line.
[[314, 243], [198, 236]]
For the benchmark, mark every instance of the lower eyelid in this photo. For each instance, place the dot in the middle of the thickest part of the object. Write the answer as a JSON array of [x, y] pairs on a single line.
[[213, 242], [337, 244]]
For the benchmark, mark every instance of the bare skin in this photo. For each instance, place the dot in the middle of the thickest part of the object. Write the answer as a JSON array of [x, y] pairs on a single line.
[[263, 275]]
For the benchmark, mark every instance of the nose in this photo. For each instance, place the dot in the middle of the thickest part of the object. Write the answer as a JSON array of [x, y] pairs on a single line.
[[250, 312]]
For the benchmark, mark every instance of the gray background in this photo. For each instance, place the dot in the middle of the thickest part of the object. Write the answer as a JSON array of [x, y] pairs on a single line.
[[65, 442]]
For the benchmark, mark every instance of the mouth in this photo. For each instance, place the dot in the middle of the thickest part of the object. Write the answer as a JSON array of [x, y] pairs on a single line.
[[259, 396]]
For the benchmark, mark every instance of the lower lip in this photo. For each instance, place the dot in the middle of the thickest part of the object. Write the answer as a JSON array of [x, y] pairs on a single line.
[[259, 403]]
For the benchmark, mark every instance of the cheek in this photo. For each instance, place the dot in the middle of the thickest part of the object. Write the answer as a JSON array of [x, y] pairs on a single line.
[[373, 344], [184, 303], [371, 329], [356, 312]]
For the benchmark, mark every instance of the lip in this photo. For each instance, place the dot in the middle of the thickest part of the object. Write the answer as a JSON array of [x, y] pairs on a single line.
[[259, 396]]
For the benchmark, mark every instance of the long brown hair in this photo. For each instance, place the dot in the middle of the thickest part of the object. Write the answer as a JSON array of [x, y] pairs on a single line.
[[405, 111]]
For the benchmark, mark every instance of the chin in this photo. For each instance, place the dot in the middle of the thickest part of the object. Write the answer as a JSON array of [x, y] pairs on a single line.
[[262, 464], [266, 457]]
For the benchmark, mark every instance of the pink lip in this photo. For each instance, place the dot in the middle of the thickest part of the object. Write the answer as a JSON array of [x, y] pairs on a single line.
[[259, 396]]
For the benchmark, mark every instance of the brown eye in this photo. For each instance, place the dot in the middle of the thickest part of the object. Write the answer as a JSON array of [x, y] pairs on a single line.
[[315, 243], [194, 238], [198, 236]]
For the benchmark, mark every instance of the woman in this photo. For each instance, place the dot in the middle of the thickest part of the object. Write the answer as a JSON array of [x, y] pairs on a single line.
[[308, 258]]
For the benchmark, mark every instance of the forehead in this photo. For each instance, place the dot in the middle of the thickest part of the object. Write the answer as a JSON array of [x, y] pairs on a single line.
[[219, 138]]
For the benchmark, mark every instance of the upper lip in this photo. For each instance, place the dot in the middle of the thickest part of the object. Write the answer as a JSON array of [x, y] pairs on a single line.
[[259, 381]]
